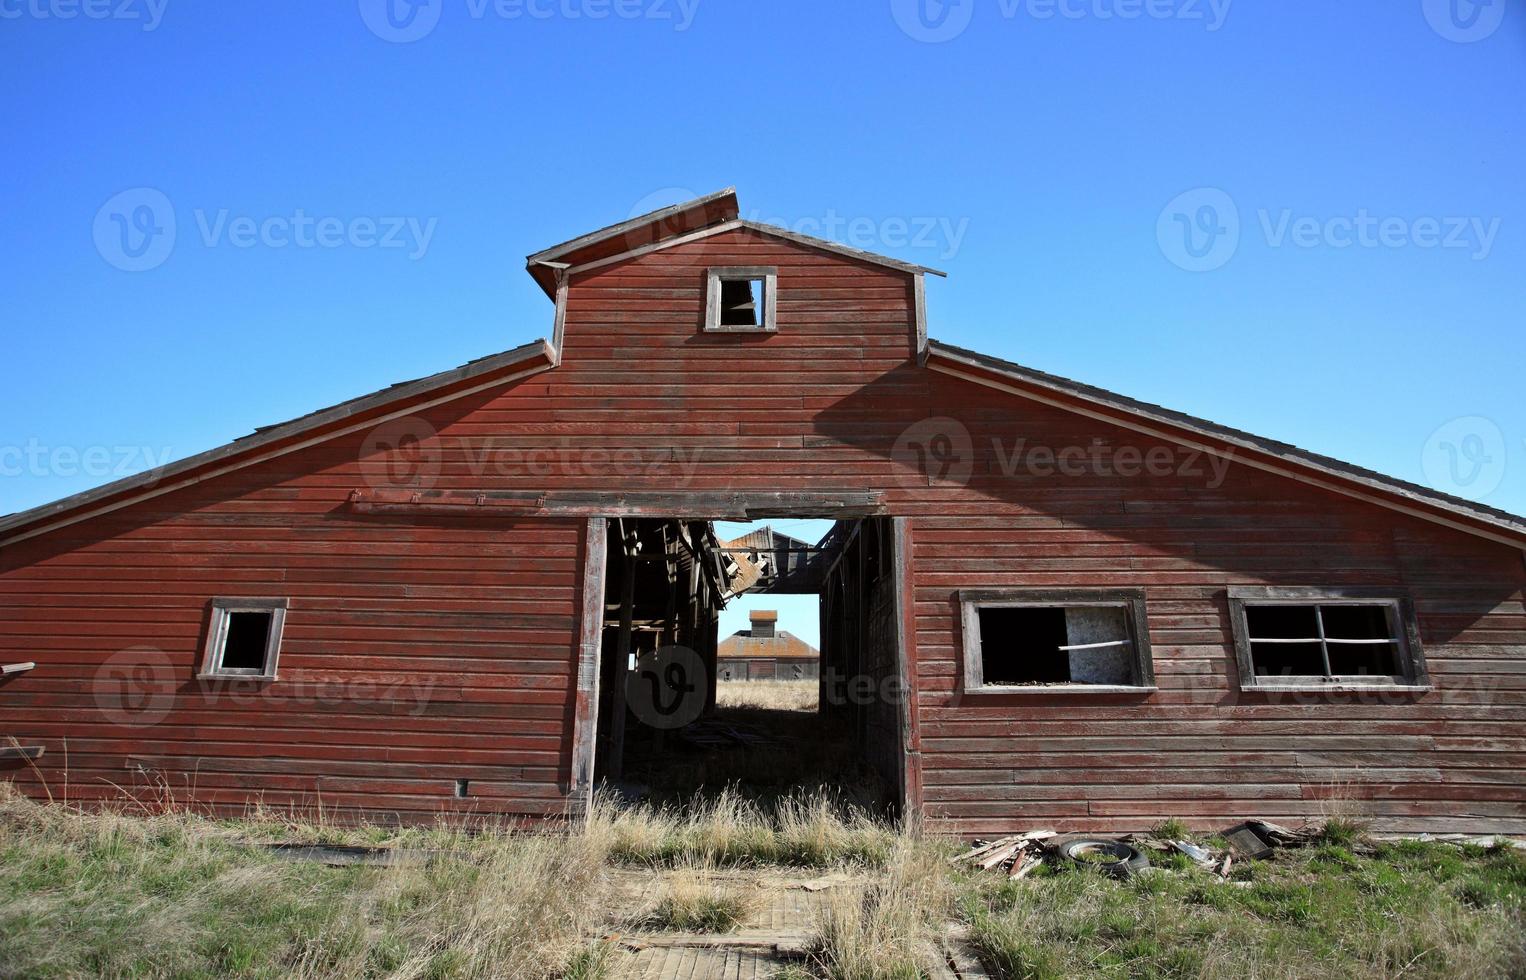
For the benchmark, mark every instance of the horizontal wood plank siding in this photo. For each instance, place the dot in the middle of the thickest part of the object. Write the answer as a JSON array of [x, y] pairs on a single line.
[[395, 681]]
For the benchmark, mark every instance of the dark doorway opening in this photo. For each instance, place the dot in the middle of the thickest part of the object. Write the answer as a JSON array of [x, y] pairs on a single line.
[[686, 709]]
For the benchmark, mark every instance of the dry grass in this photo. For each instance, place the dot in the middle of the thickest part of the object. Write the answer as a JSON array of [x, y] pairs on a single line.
[[172, 894], [728, 829], [695, 899], [771, 695], [158, 894], [884, 930]]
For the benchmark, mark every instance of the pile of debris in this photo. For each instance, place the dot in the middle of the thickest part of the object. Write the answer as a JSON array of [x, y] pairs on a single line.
[[1018, 855]]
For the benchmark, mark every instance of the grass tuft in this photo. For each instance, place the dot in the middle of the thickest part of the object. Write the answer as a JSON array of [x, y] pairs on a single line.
[[1171, 829], [881, 932], [1342, 831], [729, 830], [695, 900]]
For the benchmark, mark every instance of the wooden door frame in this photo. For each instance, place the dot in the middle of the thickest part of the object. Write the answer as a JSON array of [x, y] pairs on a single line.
[[585, 712], [585, 718], [906, 669]]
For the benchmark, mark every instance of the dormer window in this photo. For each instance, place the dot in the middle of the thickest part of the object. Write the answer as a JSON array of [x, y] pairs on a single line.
[[741, 299]]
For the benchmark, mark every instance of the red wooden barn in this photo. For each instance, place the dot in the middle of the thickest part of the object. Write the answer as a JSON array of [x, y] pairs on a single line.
[[1101, 612]]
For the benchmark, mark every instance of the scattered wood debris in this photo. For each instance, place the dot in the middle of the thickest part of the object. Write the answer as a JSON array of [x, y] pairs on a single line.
[[1018, 855], [1486, 840]]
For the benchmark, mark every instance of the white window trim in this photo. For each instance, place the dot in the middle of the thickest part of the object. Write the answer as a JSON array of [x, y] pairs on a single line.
[[1132, 601], [1401, 615], [217, 634], [718, 274]]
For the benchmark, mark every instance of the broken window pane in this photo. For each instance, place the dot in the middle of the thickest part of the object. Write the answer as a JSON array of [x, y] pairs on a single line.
[[741, 302], [1022, 645]]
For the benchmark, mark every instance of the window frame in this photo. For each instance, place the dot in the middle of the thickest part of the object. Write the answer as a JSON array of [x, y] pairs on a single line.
[[221, 610], [1401, 608], [714, 276], [971, 601]]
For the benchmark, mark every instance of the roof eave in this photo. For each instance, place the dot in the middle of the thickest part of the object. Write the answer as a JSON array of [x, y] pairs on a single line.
[[1245, 447], [528, 358], [681, 218]]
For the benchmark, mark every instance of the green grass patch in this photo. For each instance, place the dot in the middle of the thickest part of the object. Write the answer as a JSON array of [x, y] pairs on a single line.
[[1410, 909]]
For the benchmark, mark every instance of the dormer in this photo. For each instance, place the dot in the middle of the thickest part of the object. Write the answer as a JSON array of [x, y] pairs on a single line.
[[703, 274]]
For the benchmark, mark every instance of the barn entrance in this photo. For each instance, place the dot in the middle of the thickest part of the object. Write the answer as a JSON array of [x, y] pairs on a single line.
[[759, 658]]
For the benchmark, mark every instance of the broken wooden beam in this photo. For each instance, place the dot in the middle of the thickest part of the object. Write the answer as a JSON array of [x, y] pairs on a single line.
[[1025, 865], [1001, 854], [6, 670], [13, 753]]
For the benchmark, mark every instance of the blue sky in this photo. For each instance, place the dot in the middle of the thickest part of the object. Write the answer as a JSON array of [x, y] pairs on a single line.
[[351, 209]]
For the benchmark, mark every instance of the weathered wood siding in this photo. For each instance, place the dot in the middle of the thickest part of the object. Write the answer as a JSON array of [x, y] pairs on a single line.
[[413, 656], [643, 400], [1200, 748]]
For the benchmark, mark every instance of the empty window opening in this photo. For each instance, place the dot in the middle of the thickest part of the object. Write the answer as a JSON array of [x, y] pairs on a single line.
[[741, 302], [463, 788], [1018, 640], [1348, 640], [1055, 645], [244, 638], [741, 299], [247, 639]]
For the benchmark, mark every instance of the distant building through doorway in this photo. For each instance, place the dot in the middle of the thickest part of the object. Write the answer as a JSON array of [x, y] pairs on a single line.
[[765, 653]]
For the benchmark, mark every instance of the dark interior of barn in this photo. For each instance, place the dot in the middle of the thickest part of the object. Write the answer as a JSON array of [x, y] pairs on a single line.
[[662, 733]]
